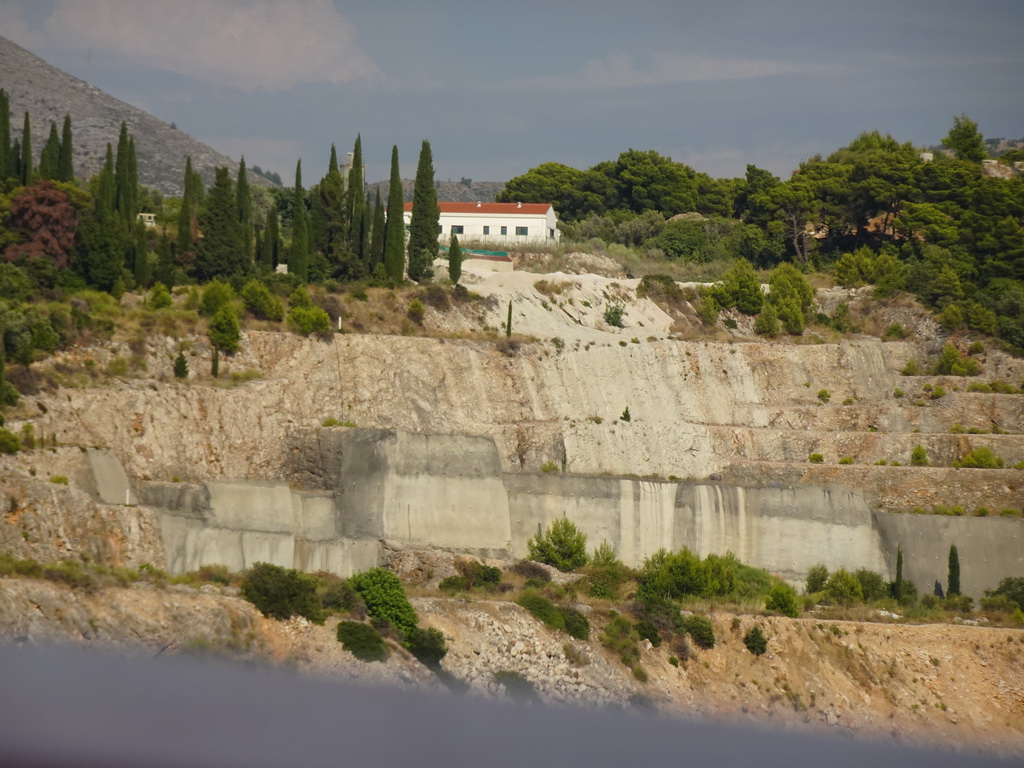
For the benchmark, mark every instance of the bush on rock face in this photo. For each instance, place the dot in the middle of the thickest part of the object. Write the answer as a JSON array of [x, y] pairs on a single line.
[[385, 598], [362, 641], [281, 593], [562, 545]]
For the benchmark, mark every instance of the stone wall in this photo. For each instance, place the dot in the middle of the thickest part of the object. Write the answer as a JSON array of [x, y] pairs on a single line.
[[415, 491]]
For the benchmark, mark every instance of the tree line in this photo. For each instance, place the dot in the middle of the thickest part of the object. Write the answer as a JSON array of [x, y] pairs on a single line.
[[875, 211]]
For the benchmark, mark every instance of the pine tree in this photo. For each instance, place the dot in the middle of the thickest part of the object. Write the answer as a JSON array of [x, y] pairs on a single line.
[[5, 137], [425, 217], [26, 169], [50, 155], [65, 159], [298, 256], [394, 232], [953, 575], [244, 206], [220, 251], [454, 261], [376, 255]]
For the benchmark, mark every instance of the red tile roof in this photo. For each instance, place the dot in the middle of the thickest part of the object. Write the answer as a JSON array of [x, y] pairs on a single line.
[[531, 209]]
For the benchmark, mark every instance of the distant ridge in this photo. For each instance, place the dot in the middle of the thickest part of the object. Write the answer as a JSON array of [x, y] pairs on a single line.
[[48, 93]]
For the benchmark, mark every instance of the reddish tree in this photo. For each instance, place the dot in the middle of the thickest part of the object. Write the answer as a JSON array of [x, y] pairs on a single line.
[[44, 217]]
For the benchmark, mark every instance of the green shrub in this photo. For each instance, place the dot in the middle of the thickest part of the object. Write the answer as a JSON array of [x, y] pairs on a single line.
[[224, 330], [843, 588], [261, 302], [338, 595], [159, 297], [846, 460], [549, 468], [362, 641], [873, 586], [427, 645], [416, 311], [1012, 588], [647, 630], [824, 396], [576, 624], [620, 637], [9, 442], [976, 348], [919, 457], [605, 574], [562, 545], [782, 599], [280, 593], [895, 331], [215, 297], [613, 315], [59, 480], [912, 368], [307, 320], [385, 598], [543, 610], [816, 458], [767, 322], [980, 458], [180, 366], [700, 629], [756, 641]]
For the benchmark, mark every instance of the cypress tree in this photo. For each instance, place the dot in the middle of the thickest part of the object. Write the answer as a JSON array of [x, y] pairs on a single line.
[[298, 256], [185, 242], [394, 232], [332, 164], [65, 159], [328, 223], [26, 153], [127, 182], [220, 250], [425, 217], [953, 575], [143, 267], [356, 204], [164, 271], [897, 585], [8, 394], [244, 205], [376, 254], [454, 261], [5, 137], [50, 155], [272, 238], [102, 233]]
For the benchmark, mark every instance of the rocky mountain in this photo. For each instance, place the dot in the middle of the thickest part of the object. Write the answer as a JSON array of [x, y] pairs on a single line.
[[48, 94], [464, 191]]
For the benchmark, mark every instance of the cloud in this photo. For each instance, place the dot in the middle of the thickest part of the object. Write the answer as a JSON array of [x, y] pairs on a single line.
[[246, 44], [619, 71]]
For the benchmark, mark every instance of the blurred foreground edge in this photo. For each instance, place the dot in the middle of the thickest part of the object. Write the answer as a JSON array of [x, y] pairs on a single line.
[[66, 708]]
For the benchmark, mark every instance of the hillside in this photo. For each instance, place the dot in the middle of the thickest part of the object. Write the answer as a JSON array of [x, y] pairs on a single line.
[[142, 468], [48, 94]]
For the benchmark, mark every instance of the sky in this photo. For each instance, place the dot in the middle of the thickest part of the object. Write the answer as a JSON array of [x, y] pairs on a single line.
[[498, 88]]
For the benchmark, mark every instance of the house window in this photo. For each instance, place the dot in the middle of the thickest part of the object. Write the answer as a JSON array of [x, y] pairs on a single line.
[[457, 229], [504, 230], [487, 230], [522, 231], [551, 234]]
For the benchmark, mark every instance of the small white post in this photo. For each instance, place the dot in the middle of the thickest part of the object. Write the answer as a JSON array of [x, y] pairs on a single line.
[[339, 322], [127, 500]]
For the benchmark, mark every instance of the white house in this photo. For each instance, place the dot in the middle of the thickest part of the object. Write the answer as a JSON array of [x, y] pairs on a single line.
[[499, 224]]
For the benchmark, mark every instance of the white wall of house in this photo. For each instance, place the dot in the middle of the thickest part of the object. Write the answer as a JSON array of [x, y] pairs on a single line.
[[496, 224]]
